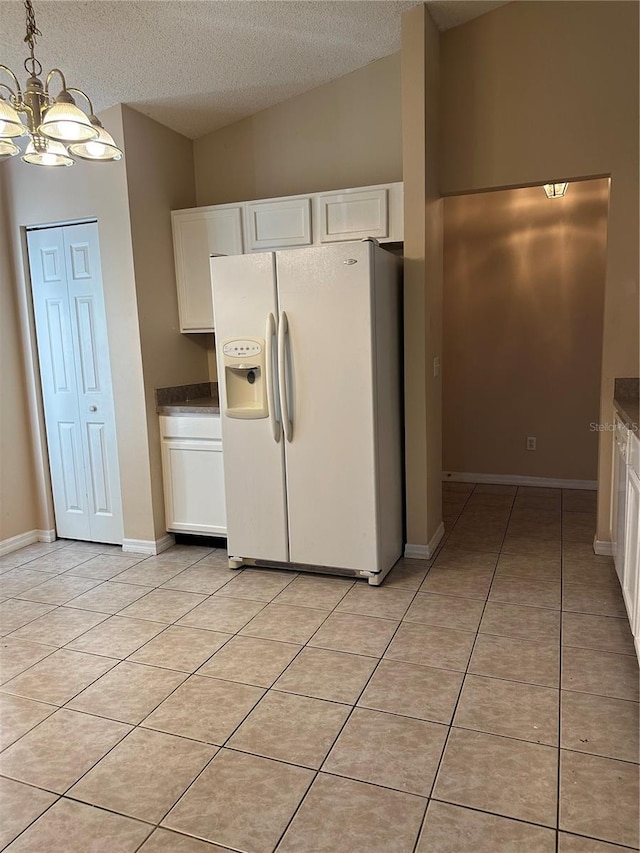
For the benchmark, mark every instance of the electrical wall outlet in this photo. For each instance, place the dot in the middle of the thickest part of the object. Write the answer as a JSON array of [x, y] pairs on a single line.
[[531, 442]]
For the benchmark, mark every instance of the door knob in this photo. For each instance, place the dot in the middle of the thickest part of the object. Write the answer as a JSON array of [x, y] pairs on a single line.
[[93, 408]]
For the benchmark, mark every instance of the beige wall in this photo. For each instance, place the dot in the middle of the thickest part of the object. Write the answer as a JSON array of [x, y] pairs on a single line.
[[160, 178], [536, 91], [346, 133], [422, 274], [85, 191], [18, 493], [523, 311]]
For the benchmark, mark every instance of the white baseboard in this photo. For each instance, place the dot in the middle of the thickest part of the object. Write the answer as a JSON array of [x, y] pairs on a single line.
[[13, 543], [425, 552], [148, 547], [604, 547], [518, 480], [47, 535]]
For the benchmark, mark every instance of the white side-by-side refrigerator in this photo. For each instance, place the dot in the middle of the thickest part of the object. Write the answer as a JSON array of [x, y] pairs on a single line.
[[308, 348]]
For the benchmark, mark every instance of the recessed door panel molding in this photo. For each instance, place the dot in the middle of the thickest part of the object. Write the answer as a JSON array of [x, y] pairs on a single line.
[[60, 360], [79, 254], [52, 265], [99, 462], [71, 466], [87, 340], [73, 350]]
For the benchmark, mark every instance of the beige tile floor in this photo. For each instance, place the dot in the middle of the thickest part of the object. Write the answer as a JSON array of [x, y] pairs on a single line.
[[486, 702]]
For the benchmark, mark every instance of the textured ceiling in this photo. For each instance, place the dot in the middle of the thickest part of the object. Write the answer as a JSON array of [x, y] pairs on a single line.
[[197, 65]]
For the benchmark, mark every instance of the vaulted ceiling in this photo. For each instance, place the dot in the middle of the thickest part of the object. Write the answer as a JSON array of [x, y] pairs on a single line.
[[198, 65]]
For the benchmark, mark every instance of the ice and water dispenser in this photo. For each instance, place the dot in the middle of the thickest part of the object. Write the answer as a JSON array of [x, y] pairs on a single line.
[[244, 371]]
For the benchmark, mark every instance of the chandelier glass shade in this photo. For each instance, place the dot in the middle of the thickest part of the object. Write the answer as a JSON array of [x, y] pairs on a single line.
[[56, 127]]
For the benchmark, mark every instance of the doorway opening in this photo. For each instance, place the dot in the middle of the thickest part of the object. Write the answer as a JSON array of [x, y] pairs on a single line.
[[523, 313]]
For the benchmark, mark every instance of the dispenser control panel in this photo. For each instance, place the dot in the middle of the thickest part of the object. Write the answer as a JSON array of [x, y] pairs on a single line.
[[242, 348], [245, 386]]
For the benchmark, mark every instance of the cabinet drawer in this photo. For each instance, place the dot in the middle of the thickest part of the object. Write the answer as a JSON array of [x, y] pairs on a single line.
[[190, 426], [277, 224]]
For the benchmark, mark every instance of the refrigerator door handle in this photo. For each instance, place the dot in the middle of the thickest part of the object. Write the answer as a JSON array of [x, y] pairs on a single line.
[[271, 401], [283, 332]]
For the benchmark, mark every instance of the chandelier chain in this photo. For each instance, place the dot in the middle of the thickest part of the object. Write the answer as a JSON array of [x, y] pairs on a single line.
[[30, 39]]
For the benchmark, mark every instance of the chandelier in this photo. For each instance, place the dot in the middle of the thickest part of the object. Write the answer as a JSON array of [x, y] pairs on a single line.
[[55, 127]]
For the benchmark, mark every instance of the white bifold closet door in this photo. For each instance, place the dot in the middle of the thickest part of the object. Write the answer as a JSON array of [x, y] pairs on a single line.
[[75, 372]]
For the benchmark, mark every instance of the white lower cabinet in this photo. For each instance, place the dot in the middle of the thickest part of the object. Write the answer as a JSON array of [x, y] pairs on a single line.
[[625, 521], [632, 540], [193, 474], [619, 496]]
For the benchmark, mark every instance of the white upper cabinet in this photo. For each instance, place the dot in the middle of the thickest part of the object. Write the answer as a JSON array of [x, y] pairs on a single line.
[[197, 234], [353, 215], [278, 224]]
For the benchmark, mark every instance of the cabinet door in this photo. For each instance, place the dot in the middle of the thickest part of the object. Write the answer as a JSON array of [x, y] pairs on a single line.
[[632, 553], [353, 215], [621, 441], [278, 224], [193, 486], [197, 234]]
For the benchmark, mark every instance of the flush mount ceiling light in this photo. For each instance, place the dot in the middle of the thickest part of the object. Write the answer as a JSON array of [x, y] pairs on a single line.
[[556, 190], [54, 127]]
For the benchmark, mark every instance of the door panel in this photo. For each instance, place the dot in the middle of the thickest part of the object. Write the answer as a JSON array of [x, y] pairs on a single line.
[[330, 463], [95, 396], [71, 465], [76, 382], [60, 353], [244, 295], [98, 468], [86, 339], [58, 376]]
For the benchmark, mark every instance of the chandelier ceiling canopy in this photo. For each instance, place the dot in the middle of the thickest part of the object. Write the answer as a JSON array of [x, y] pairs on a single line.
[[56, 130]]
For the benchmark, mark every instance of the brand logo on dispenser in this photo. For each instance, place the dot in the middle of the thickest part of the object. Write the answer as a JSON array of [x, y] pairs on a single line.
[[350, 261]]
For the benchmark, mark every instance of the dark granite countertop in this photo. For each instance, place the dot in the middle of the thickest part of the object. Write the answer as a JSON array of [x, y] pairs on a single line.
[[201, 398], [626, 399]]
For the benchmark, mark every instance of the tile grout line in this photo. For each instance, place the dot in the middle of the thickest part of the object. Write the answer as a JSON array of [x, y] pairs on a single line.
[[109, 657], [253, 707], [133, 727], [466, 672], [559, 755], [353, 706], [349, 715]]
